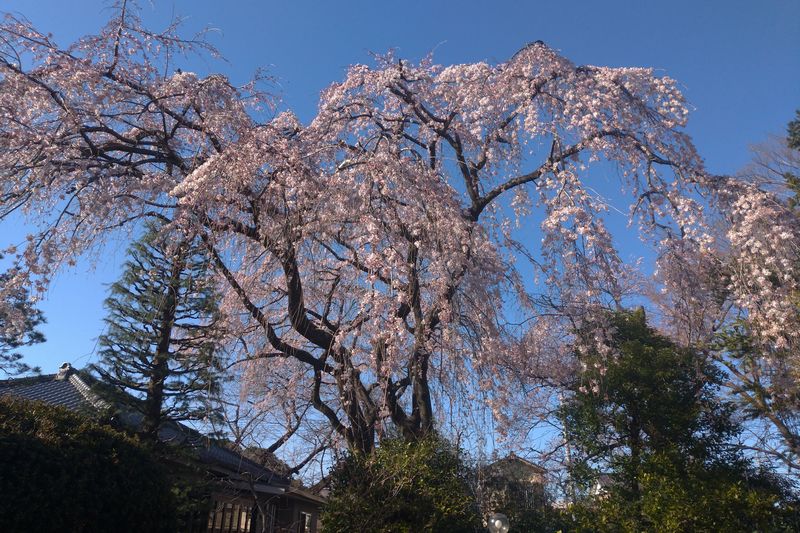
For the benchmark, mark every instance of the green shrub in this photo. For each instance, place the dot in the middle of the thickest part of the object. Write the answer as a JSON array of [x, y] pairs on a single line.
[[402, 487], [62, 472]]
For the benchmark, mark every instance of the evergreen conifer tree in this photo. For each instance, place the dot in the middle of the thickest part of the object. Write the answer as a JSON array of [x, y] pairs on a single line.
[[160, 350]]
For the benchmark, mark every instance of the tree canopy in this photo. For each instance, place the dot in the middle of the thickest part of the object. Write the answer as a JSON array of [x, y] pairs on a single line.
[[369, 258], [654, 445], [704, 309], [18, 321]]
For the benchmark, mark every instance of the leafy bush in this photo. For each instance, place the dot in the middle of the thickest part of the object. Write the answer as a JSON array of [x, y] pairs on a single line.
[[63, 472], [402, 487]]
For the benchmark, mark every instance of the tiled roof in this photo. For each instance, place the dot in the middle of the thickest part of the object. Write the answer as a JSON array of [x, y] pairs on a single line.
[[514, 458], [48, 389]]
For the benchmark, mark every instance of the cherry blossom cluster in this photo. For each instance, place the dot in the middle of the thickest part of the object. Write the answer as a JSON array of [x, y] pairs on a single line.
[[377, 260]]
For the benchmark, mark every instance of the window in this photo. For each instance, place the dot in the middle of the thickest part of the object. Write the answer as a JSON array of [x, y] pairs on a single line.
[[229, 517], [305, 523]]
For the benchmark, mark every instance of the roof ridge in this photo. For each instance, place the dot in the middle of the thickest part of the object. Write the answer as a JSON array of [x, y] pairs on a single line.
[[27, 380], [513, 456], [88, 394]]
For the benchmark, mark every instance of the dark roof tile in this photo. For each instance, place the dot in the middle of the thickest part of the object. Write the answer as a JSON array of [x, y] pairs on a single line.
[[49, 390]]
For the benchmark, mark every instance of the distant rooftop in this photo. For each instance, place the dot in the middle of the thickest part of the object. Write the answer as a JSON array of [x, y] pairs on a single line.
[[64, 388], [514, 458]]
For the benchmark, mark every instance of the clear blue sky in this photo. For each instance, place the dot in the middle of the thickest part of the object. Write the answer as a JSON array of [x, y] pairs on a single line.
[[738, 62]]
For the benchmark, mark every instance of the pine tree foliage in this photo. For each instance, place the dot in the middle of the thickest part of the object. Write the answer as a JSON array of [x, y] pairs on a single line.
[[791, 177], [793, 132], [18, 321], [161, 343]]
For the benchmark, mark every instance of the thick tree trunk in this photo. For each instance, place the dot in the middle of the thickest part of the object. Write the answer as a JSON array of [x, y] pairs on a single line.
[[155, 396], [154, 401]]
